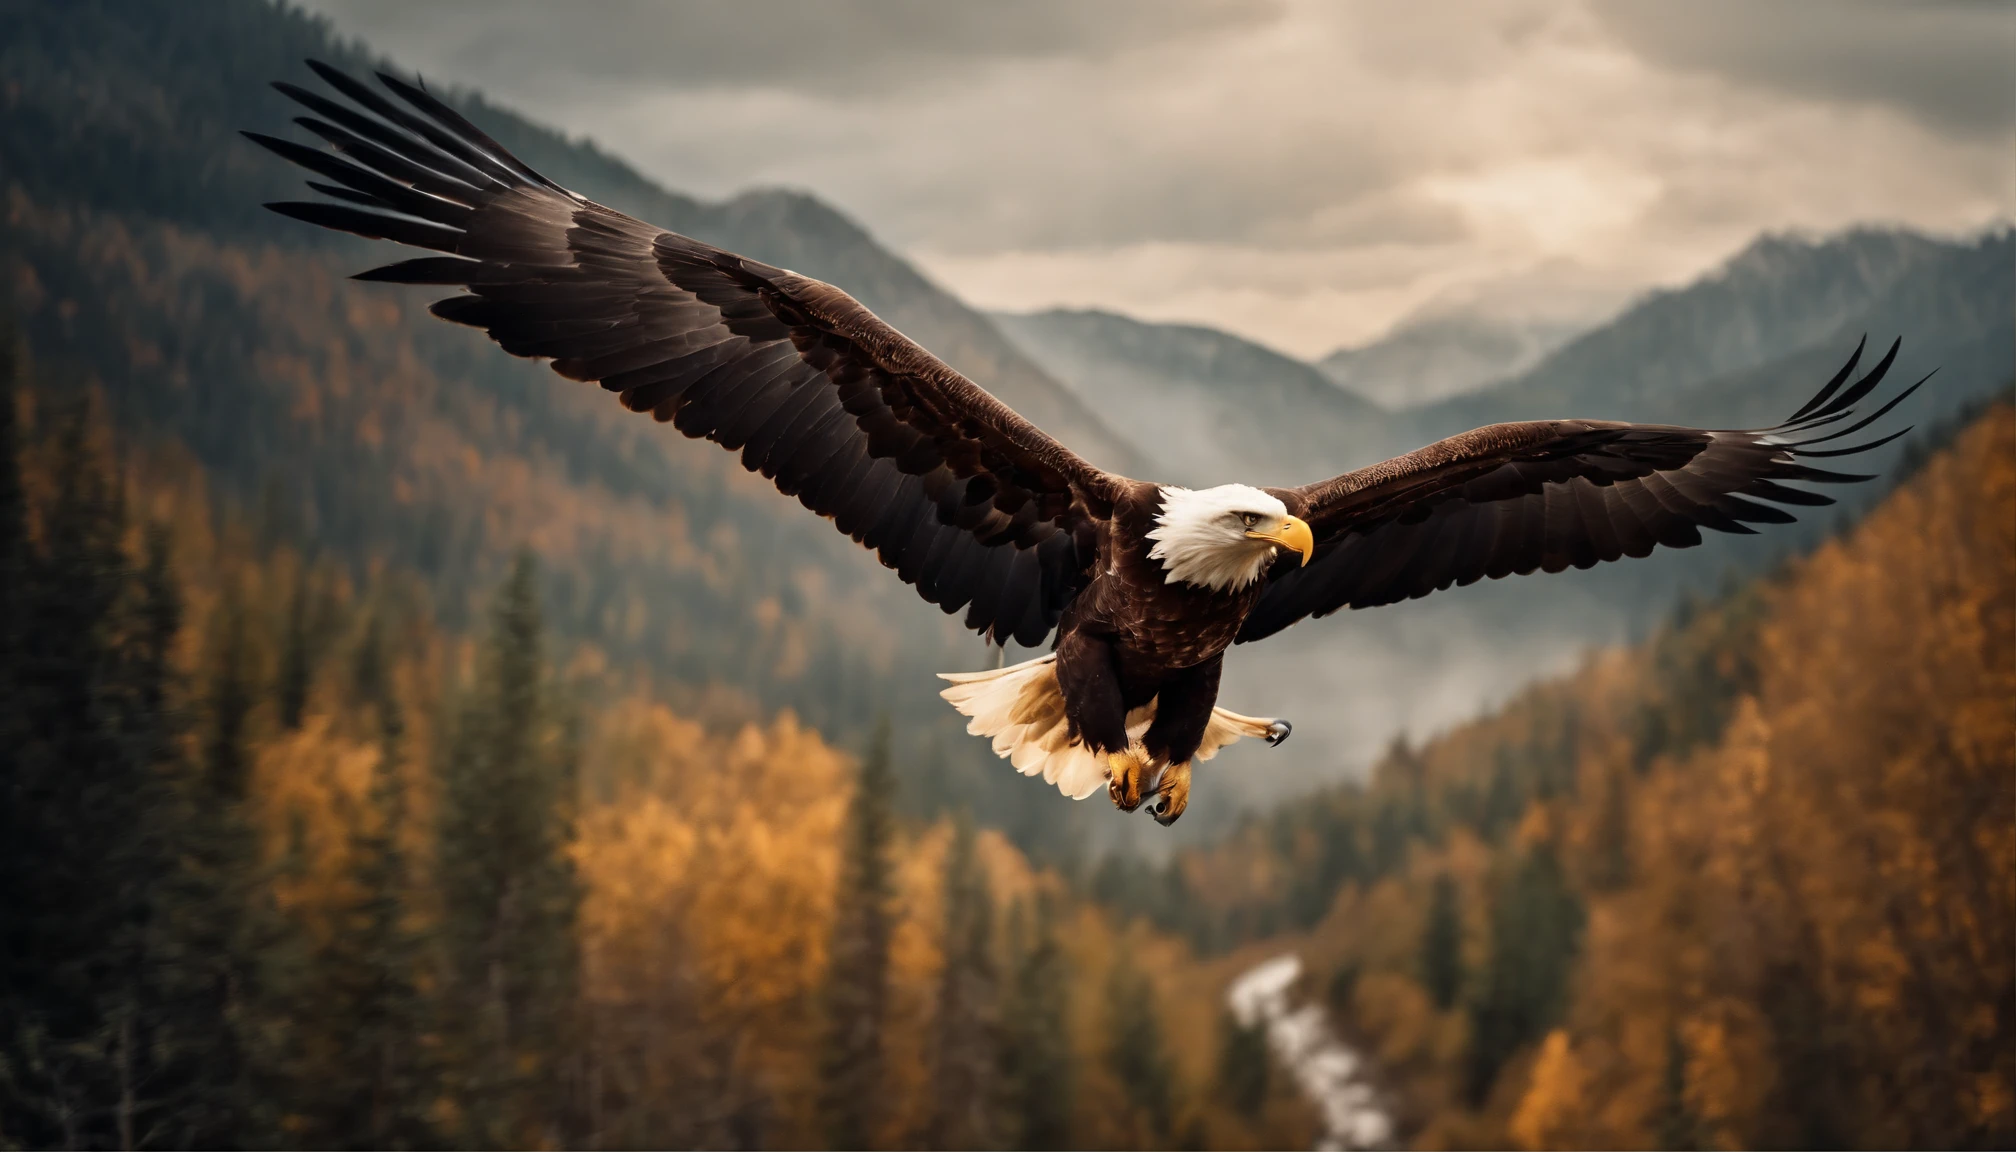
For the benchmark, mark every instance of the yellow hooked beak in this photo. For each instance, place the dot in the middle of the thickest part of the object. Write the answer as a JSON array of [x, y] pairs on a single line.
[[1292, 534]]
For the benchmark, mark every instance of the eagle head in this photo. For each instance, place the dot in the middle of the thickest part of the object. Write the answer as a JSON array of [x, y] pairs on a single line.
[[1223, 538]]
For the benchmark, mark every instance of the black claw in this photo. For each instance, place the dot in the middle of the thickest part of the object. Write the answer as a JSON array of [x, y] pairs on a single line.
[[1277, 732], [1164, 817]]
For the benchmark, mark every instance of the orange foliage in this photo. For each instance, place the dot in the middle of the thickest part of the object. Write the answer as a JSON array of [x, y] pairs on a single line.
[[1800, 927], [1844, 861]]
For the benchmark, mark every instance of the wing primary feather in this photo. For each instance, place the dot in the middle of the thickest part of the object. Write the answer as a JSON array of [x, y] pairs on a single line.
[[1770, 490], [1821, 475], [455, 122], [390, 164], [1873, 444], [351, 175], [351, 195], [1751, 512], [1867, 420], [1866, 384], [1847, 370], [446, 141], [391, 138], [418, 233], [426, 270]]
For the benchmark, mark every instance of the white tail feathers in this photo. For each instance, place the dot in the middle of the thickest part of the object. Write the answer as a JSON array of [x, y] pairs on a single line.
[[1022, 710]]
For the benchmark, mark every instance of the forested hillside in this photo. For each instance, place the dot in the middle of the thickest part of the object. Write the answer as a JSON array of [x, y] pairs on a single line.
[[137, 259], [1752, 884], [291, 864]]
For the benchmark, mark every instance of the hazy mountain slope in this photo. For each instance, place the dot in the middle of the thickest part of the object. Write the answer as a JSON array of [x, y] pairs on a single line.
[[137, 261], [1435, 358], [1205, 406], [1781, 296]]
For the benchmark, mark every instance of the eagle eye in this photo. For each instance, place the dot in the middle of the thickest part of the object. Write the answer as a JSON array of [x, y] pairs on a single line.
[[1251, 518]]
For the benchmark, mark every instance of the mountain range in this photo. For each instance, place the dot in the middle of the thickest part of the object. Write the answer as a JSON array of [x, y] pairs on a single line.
[[1435, 357], [342, 419]]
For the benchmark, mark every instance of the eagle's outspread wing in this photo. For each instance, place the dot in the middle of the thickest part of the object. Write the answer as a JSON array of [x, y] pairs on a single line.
[[1553, 494], [967, 501]]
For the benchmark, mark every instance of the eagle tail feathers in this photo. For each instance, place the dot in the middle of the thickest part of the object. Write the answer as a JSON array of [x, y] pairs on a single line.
[[1021, 710]]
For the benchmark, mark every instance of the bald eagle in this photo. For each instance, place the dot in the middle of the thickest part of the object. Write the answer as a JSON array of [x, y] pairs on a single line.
[[1144, 586]]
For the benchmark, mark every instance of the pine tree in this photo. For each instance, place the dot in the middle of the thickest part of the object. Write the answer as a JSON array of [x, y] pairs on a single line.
[[1609, 866], [1504, 800], [296, 660], [857, 975], [381, 1079], [75, 917], [223, 945], [154, 619], [1135, 1049], [82, 847], [1242, 1064], [226, 753], [965, 1046], [1036, 1065], [1442, 945], [1678, 1124], [13, 528], [1536, 928], [508, 884]]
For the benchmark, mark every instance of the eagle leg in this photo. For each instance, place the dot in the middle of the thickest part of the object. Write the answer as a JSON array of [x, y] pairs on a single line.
[[1173, 794], [1126, 773]]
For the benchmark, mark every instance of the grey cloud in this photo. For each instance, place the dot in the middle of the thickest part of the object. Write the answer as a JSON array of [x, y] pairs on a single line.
[[825, 46], [1317, 191], [1945, 62], [1271, 165]]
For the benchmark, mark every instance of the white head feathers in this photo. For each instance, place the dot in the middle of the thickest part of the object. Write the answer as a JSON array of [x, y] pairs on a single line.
[[1201, 539]]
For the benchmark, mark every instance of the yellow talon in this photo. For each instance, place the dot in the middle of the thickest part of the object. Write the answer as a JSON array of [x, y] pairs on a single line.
[[1123, 780], [1174, 790]]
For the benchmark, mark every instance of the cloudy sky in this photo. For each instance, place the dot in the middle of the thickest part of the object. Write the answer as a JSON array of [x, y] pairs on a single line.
[[1304, 172]]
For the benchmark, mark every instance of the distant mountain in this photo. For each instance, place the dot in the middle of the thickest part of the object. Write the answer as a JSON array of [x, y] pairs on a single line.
[[1433, 358], [1204, 406], [1742, 345]]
